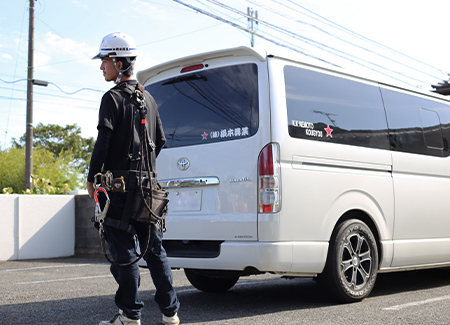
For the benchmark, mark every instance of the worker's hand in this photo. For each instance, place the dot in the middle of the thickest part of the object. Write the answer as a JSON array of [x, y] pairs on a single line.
[[91, 189]]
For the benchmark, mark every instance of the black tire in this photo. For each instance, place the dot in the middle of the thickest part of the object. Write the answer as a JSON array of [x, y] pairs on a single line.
[[352, 264], [209, 282]]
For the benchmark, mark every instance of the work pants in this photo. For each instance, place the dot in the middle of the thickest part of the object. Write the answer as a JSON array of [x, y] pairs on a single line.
[[122, 247]]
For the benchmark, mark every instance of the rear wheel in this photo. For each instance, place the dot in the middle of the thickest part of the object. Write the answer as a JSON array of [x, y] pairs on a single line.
[[351, 269], [210, 281]]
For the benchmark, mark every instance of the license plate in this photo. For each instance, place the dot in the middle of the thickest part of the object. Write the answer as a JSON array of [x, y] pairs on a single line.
[[185, 200]]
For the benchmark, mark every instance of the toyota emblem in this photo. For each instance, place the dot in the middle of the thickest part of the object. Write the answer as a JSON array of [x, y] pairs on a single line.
[[183, 164]]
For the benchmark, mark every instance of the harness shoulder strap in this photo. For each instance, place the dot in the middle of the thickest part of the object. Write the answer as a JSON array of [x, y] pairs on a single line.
[[137, 151]]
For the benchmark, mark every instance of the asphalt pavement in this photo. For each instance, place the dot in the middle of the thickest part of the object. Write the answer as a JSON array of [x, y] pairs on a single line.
[[80, 290]]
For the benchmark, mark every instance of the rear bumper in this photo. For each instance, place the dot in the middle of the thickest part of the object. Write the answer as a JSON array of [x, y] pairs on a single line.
[[289, 258]]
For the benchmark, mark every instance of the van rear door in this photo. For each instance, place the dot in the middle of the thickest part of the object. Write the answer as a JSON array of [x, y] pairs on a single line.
[[211, 114]]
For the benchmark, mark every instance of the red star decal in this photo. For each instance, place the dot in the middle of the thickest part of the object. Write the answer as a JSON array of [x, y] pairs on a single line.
[[204, 136], [329, 131]]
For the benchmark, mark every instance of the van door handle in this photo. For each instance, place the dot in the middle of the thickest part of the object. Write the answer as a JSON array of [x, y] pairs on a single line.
[[189, 182]]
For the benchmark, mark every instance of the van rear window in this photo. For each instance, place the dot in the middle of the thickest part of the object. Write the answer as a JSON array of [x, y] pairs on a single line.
[[209, 105]]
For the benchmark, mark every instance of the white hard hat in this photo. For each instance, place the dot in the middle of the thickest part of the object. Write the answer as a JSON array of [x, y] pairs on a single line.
[[117, 45]]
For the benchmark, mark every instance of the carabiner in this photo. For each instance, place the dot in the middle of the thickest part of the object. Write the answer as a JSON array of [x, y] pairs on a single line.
[[99, 214]]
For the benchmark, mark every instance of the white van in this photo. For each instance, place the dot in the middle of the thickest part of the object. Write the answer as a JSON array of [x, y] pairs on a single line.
[[278, 166]]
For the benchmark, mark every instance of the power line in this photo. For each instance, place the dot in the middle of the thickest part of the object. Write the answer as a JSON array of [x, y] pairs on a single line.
[[320, 45], [295, 19], [179, 35], [252, 32], [368, 39], [11, 99], [58, 87], [354, 34], [293, 47], [15, 71], [164, 5], [76, 91], [13, 82], [46, 94], [359, 60]]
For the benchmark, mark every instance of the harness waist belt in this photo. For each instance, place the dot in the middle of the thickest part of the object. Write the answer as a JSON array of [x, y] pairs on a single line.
[[123, 180]]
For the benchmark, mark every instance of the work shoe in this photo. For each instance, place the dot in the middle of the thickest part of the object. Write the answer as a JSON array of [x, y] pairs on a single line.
[[170, 320], [121, 319]]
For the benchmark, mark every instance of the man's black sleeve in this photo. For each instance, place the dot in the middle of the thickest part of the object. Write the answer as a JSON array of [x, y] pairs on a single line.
[[99, 153], [159, 139]]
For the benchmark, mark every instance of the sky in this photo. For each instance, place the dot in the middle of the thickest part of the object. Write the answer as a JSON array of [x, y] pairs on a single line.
[[404, 42]]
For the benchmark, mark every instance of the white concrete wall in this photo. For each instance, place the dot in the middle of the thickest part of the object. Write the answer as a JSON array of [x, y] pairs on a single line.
[[36, 226]]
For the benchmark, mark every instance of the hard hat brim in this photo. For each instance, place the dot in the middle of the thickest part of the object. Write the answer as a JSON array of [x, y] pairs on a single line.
[[100, 56]]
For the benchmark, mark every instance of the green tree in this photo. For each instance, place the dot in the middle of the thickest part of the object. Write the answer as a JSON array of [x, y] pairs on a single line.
[[12, 169], [51, 175], [63, 141]]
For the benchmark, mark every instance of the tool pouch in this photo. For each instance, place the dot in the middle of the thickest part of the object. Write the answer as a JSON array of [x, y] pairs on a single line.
[[150, 202]]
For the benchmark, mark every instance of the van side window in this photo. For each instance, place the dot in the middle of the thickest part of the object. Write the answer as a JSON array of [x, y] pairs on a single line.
[[416, 124], [208, 105], [431, 126], [326, 108]]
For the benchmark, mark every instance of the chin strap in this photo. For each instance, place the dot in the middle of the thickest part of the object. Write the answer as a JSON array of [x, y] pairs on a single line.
[[121, 70]]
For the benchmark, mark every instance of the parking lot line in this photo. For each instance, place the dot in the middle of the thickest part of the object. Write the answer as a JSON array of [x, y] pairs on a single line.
[[417, 303], [67, 279], [43, 267]]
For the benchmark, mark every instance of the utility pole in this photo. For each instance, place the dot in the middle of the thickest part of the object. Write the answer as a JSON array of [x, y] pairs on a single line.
[[252, 23], [29, 125], [30, 83]]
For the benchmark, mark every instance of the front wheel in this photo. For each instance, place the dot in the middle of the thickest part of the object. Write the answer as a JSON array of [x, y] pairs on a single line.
[[352, 264], [210, 281]]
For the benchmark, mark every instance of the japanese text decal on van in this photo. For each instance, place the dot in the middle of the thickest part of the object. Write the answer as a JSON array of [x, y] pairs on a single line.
[[227, 133]]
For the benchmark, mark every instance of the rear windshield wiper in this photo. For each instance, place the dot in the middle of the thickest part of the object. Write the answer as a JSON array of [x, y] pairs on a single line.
[[185, 78]]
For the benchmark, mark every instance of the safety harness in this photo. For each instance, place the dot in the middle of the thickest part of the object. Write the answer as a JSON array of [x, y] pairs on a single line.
[[138, 182]]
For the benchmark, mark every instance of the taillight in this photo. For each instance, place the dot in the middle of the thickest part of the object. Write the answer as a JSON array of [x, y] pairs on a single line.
[[269, 179]]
